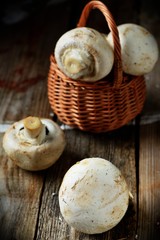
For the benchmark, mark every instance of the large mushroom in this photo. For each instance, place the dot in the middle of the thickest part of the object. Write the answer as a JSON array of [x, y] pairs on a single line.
[[34, 143], [84, 54], [93, 196], [139, 49]]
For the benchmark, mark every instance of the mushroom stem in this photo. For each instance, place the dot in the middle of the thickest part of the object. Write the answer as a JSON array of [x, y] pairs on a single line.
[[32, 126], [76, 61]]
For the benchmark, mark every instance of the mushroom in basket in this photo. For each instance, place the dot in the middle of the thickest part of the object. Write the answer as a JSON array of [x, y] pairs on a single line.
[[139, 49], [84, 54], [34, 143]]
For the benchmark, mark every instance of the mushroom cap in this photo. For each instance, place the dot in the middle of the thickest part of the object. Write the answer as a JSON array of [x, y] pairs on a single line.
[[84, 54], [138, 47], [93, 196], [31, 156]]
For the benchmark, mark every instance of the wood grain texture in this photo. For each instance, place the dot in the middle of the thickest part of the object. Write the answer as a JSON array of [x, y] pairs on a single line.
[[24, 57], [149, 166], [149, 183], [118, 147], [149, 18], [20, 196]]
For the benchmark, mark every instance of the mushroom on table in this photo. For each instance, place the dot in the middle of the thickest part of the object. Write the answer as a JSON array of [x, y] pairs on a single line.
[[93, 196], [34, 143]]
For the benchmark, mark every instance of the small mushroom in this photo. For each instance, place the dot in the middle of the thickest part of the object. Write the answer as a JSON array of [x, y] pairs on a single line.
[[84, 54], [93, 196], [34, 143], [138, 47]]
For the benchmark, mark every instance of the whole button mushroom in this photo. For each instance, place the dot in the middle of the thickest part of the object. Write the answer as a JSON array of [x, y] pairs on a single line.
[[83, 53], [34, 143], [93, 196], [139, 49]]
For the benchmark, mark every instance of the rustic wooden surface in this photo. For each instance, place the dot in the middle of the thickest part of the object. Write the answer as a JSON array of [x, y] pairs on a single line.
[[29, 206]]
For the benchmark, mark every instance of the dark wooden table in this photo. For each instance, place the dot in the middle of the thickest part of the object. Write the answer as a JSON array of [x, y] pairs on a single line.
[[29, 207]]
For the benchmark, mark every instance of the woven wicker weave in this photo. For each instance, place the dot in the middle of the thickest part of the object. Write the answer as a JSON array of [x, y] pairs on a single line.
[[101, 106]]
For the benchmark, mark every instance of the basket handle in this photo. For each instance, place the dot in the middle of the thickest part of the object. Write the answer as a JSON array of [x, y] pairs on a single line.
[[118, 72]]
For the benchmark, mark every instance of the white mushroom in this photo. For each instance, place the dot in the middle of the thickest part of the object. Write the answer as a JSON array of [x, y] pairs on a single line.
[[33, 143], [83, 53], [93, 196], [139, 49]]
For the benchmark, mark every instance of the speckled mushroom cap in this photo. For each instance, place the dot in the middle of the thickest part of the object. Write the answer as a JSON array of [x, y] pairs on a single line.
[[139, 49], [31, 154], [84, 53], [93, 196]]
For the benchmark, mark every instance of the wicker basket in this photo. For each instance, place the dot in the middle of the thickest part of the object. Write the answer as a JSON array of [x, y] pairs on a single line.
[[101, 106]]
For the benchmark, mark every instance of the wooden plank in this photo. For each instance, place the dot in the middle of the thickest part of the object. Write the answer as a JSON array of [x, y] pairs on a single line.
[[118, 147], [20, 196], [24, 58], [149, 167], [149, 183], [149, 18]]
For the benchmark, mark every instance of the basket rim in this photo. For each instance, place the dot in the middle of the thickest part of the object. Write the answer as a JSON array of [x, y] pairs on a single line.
[[106, 82]]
